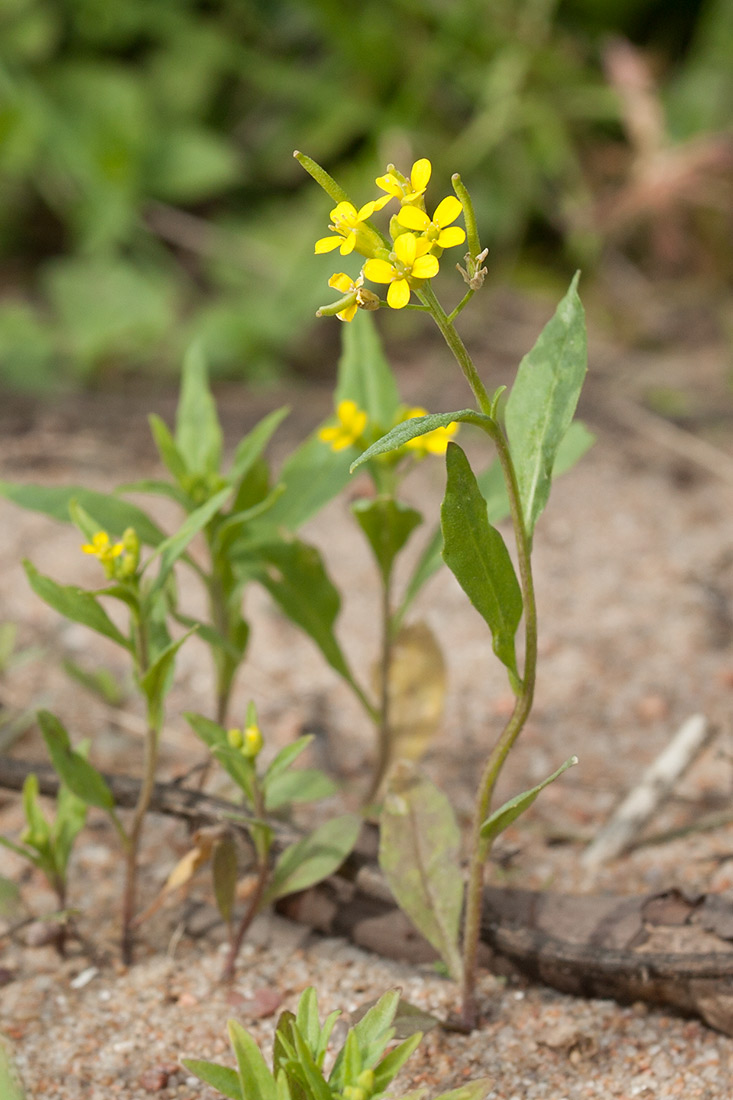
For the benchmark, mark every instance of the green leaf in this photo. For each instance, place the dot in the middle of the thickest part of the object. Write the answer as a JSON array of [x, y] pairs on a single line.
[[387, 524], [156, 681], [542, 402], [313, 858], [255, 1078], [476, 554], [294, 575], [253, 444], [312, 475], [419, 855], [170, 550], [365, 375], [170, 456], [306, 1070], [224, 872], [285, 758], [372, 1032], [502, 818], [198, 432], [576, 441], [77, 773], [237, 766], [76, 604], [299, 785], [114, 514], [219, 1077], [392, 1063], [419, 425]]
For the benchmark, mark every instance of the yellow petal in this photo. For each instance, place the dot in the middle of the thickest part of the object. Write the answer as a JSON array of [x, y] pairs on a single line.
[[398, 294], [366, 211], [345, 211], [347, 314], [327, 244], [347, 245], [405, 248], [382, 201], [341, 281], [389, 183], [425, 267], [420, 174], [447, 211], [416, 411], [379, 271], [412, 218], [448, 238]]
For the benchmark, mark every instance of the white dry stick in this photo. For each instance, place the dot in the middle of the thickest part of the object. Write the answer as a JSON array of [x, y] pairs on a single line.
[[656, 783]]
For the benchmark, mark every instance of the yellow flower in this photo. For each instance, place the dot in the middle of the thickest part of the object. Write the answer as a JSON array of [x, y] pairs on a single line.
[[351, 424], [354, 297], [407, 262], [397, 187], [432, 443], [346, 222], [104, 550], [435, 231]]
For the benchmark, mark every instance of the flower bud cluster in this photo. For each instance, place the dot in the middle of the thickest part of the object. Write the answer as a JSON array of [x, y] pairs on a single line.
[[120, 560]]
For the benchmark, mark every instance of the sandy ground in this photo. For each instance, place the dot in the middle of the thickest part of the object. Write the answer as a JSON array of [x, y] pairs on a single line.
[[634, 576]]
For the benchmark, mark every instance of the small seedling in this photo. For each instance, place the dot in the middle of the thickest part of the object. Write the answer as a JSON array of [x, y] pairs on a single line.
[[362, 1070], [267, 790], [48, 845]]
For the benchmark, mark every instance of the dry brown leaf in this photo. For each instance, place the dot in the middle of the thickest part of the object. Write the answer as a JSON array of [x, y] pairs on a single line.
[[416, 691], [204, 841]]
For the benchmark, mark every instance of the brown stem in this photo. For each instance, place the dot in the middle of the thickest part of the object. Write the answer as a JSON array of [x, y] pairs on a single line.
[[227, 974]]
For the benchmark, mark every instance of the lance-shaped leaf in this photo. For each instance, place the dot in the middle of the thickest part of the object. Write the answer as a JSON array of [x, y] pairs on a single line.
[[313, 858], [419, 855], [543, 400], [294, 575], [474, 1090], [253, 444], [576, 441], [157, 678], [312, 475], [221, 1078], [113, 514], [255, 1077], [476, 554], [81, 777], [171, 549], [76, 604], [198, 432], [170, 456], [502, 818], [387, 524], [419, 425], [365, 375]]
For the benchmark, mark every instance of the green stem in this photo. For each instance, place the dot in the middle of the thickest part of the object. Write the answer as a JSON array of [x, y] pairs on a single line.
[[384, 733], [525, 690], [150, 761], [479, 847], [426, 294]]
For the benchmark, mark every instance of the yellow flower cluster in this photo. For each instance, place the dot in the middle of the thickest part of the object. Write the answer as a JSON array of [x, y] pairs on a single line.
[[408, 260], [118, 559], [351, 425]]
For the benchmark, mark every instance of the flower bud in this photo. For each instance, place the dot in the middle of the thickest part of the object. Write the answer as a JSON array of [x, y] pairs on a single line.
[[253, 742], [235, 738]]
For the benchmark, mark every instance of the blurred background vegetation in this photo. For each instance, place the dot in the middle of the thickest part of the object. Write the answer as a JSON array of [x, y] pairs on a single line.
[[148, 194]]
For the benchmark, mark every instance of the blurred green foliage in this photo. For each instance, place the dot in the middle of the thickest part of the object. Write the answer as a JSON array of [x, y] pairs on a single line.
[[147, 189]]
